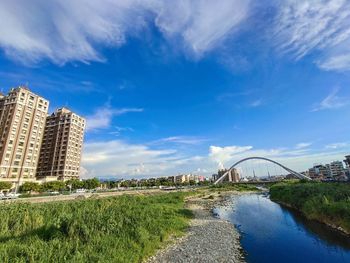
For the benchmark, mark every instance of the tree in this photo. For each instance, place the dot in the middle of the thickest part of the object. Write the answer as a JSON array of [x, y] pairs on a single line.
[[91, 183], [54, 186], [75, 184], [29, 187], [5, 185], [192, 182]]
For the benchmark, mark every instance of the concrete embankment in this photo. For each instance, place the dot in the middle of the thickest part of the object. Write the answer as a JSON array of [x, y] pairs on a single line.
[[208, 239]]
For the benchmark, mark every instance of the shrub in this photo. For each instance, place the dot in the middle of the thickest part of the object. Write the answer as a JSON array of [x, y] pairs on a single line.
[[5, 185]]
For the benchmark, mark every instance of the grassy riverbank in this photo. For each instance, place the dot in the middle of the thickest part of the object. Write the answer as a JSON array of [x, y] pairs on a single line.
[[118, 229], [326, 202]]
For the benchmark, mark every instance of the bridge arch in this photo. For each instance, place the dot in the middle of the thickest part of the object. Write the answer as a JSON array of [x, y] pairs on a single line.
[[299, 175]]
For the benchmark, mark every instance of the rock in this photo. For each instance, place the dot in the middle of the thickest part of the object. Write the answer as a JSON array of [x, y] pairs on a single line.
[[209, 239]]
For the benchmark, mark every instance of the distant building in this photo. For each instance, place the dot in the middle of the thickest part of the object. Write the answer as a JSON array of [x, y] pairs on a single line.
[[60, 155], [232, 176], [22, 122], [180, 179], [318, 172], [200, 178], [336, 171], [171, 179]]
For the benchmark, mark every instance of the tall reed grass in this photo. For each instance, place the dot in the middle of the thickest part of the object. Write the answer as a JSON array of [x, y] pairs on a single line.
[[118, 229]]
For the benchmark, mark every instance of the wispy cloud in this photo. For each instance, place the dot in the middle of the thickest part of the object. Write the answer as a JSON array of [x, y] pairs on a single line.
[[332, 101], [202, 24], [256, 103], [118, 130], [303, 27], [102, 118], [230, 95], [65, 34], [303, 145], [191, 140], [338, 145]]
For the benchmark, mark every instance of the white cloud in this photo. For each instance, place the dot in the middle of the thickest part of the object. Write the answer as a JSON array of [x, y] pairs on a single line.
[[303, 145], [338, 145], [336, 62], [63, 30], [303, 27], [118, 130], [332, 101], [180, 140], [117, 158], [256, 103], [103, 117], [202, 23], [296, 159], [222, 155]]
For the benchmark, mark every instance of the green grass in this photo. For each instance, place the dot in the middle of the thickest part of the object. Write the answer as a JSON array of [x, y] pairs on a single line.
[[325, 202], [118, 229]]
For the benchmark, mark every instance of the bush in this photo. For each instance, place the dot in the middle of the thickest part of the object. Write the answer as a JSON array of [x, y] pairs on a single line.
[[30, 187], [5, 185], [53, 186]]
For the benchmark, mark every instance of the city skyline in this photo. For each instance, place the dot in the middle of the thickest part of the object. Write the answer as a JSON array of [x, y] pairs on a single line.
[[170, 89]]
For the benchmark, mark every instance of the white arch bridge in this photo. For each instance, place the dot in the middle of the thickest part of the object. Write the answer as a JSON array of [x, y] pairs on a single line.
[[298, 175]]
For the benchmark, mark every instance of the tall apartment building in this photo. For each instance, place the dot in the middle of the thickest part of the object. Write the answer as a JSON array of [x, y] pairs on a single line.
[[60, 153], [336, 169], [22, 121]]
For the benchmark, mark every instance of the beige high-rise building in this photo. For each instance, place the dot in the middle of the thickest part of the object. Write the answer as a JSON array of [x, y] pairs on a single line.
[[60, 153], [22, 121]]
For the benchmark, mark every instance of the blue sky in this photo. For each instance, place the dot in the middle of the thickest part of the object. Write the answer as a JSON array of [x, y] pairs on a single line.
[[188, 86]]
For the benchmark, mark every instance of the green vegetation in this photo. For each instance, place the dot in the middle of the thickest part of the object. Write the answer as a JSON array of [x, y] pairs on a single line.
[[5, 185], [161, 181], [118, 229], [326, 202], [59, 185], [86, 184], [233, 187]]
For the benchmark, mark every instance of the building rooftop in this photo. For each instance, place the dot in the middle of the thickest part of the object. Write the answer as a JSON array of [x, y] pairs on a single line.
[[63, 110]]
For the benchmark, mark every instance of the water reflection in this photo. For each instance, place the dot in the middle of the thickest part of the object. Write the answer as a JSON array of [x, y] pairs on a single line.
[[271, 233], [326, 234]]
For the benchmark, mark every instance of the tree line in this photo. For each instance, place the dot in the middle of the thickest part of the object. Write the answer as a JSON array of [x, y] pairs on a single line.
[[59, 185]]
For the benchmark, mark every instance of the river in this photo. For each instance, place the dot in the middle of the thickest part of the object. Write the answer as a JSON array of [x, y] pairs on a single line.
[[271, 233]]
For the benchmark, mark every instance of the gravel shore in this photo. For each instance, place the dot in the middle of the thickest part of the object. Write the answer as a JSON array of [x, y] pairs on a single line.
[[209, 239]]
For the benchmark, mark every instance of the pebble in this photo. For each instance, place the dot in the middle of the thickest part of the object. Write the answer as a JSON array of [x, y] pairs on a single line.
[[208, 239]]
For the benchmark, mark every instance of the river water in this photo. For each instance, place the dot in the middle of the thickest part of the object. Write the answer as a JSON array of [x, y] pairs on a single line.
[[271, 233]]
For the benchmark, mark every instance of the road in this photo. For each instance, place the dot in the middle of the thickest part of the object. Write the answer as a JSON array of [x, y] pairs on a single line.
[[55, 198]]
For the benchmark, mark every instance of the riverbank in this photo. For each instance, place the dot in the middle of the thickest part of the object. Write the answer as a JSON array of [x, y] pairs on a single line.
[[327, 203], [208, 238], [270, 233]]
